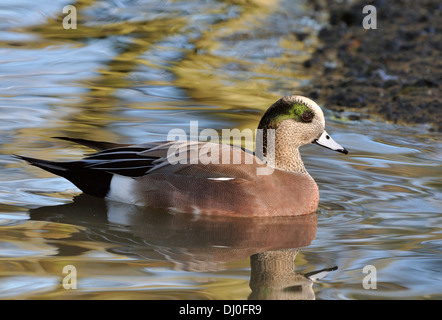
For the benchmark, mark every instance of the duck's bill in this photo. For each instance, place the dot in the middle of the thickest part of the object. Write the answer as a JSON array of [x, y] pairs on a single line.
[[326, 141]]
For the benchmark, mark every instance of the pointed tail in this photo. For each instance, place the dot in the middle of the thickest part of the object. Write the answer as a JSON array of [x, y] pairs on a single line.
[[92, 182]]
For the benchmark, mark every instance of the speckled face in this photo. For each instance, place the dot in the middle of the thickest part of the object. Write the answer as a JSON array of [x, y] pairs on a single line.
[[295, 121], [305, 116]]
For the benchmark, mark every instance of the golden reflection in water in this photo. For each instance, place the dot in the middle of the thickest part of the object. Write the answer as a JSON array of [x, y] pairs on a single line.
[[92, 112], [202, 74], [124, 251], [210, 78], [201, 71]]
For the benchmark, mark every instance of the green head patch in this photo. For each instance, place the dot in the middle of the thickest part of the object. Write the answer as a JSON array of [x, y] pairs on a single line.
[[283, 110], [298, 112]]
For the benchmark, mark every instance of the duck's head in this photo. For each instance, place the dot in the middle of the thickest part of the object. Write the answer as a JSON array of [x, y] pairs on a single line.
[[298, 120]]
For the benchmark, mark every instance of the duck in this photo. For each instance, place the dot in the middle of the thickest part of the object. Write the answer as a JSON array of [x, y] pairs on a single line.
[[269, 181]]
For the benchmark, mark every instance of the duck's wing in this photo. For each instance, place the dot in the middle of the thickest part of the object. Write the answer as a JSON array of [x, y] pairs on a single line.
[[137, 160], [130, 161], [185, 158], [93, 173]]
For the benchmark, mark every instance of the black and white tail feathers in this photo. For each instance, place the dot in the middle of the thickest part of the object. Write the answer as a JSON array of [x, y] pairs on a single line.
[[93, 174], [93, 182]]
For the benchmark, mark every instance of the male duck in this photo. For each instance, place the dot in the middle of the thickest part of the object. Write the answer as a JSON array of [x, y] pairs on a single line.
[[144, 175]]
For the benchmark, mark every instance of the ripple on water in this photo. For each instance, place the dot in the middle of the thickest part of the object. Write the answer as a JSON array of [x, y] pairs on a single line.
[[380, 205]]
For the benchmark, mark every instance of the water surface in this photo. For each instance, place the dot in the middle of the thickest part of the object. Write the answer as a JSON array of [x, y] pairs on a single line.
[[133, 70]]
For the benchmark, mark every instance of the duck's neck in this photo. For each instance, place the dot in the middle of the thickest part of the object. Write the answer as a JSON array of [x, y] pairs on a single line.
[[288, 158], [286, 153]]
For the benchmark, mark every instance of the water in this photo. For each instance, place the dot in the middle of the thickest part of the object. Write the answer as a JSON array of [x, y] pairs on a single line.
[[133, 70]]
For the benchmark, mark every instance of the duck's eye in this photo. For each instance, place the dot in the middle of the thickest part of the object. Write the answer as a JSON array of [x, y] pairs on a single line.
[[307, 116]]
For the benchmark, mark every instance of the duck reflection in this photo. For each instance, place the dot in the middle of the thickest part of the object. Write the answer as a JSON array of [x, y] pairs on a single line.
[[198, 243]]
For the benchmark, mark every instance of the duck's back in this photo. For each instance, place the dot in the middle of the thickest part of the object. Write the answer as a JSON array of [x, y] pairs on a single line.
[[229, 189]]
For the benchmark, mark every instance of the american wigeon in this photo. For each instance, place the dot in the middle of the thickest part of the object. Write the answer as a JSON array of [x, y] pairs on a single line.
[[164, 174]]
